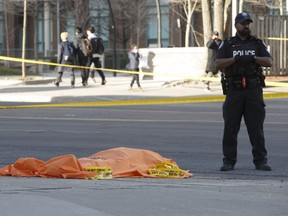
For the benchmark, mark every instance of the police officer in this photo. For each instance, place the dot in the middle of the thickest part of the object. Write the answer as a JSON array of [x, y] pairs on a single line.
[[241, 57]]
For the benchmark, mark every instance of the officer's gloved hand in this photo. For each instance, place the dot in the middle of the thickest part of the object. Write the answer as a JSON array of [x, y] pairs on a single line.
[[245, 59]]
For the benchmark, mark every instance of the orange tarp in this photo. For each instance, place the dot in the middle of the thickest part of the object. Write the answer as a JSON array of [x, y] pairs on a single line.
[[125, 162]]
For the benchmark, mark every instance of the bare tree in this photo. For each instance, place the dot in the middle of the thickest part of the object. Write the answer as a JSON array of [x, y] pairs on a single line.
[[25, 9], [218, 17], [227, 17], [207, 23], [82, 14], [189, 7], [131, 20]]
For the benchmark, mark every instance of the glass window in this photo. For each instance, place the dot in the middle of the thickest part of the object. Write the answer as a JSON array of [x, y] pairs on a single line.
[[40, 32], [99, 11], [152, 24]]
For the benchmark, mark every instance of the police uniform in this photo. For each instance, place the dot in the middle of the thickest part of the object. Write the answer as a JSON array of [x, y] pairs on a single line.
[[244, 97]]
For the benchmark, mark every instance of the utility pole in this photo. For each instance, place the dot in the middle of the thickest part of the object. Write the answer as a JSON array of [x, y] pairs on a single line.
[[58, 20]]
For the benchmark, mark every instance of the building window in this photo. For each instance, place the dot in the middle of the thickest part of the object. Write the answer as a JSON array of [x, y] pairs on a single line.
[[99, 12], [152, 24]]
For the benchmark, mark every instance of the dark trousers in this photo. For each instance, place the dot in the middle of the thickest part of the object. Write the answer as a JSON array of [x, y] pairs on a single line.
[[249, 104], [60, 74], [84, 71], [97, 64], [135, 78]]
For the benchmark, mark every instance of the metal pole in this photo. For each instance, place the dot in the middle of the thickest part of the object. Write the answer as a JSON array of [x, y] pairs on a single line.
[[159, 23], [47, 39], [24, 40], [58, 20], [114, 37]]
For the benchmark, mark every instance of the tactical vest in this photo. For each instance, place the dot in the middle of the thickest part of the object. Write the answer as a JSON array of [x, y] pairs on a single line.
[[237, 47]]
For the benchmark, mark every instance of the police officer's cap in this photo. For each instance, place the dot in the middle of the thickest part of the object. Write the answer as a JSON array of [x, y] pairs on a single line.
[[241, 17]]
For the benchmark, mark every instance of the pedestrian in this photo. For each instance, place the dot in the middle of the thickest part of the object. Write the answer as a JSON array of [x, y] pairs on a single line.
[[97, 52], [211, 70], [242, 58], [81, 44], [66, 54], [133, 65]]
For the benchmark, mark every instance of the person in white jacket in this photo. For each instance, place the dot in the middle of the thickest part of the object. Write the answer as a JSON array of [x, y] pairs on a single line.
[[95, 57]]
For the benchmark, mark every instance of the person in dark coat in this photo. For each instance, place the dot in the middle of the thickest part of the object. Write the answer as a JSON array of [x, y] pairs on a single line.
[[211, 70], [61, 59], [82, 54]]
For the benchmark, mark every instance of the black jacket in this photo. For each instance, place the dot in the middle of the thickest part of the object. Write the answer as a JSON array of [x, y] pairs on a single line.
[[212, 52]]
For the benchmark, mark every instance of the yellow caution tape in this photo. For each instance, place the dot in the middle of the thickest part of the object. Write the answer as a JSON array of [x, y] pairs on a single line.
[[199, 78], [100, 172], [166, 170], [275, 38], [69, 65]]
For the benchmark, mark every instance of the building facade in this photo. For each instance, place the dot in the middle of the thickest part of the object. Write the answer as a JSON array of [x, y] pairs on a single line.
[[46, 19], [119, 23]]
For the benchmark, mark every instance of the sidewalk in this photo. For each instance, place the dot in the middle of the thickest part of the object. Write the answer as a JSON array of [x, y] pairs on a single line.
[[42, 89]]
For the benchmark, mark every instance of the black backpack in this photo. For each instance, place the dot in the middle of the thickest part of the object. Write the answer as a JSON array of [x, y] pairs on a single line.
[[97, 45], [69, 51]]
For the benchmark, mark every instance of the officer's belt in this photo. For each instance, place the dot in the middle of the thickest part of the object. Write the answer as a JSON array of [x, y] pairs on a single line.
[[236, 83]]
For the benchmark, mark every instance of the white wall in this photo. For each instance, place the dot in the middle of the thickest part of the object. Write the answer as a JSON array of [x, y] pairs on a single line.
[[173, 63]]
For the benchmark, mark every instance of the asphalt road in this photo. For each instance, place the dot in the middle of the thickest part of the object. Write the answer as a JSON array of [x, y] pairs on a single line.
[[190, 134]]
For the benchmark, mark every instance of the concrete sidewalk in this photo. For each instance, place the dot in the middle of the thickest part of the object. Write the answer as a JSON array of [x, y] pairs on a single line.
[[42, 89]]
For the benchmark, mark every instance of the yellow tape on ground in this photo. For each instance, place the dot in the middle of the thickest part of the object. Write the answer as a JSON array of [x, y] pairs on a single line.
[[124, 102], [100, 172], [166, 170], [159, 101]]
